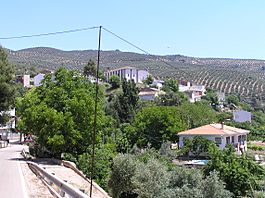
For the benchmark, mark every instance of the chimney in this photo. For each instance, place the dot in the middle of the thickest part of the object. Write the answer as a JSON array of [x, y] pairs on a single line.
[[222, 125]]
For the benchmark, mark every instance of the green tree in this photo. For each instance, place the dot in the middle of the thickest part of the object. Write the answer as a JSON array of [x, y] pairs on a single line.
[[149, 80], [170, 85], [120, 181], [211, 97], [104, 155], [147, 175], [171, 99], [90, 68], [233, 99], [7, 86], [241, 175], [150, 179], [197, 114], [158, 124], [200, 145], [115, 82], [126, 103], [60, 113], [212, 186]]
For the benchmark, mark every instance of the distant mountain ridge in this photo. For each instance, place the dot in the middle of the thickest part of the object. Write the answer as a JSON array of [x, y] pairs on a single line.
[[245, 77], [50, 57]]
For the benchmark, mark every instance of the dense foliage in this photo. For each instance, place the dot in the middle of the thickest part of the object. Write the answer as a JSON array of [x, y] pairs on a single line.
[[125, 104], [60, 112], [7, 86], [240, 174], [115, 82], [158, 124], [147, 175], [90, 68]]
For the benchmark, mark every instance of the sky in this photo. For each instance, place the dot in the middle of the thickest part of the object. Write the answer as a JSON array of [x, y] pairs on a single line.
[[200, 28]]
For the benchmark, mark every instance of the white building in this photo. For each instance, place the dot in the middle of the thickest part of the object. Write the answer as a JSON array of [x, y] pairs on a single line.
[[149, 93], [128, 73], [37, 79], [195, 92], [158, 83], [11, 124], [241, 116], [219, 133]]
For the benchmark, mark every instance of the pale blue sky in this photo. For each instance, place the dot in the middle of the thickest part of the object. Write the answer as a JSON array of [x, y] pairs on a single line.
[[201, 28]]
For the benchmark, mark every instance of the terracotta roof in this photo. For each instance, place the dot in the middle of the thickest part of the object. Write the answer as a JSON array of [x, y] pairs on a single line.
[[214, 129]]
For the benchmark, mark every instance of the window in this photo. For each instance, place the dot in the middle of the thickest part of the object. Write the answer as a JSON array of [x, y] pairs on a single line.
[[243, 137], [233, 139], [227, 140], [218, 140]]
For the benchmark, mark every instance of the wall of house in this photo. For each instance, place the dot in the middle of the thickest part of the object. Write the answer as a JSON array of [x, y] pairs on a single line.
[[37, 79], [26, 80], [223, 144], [242, 116], [142, 75]]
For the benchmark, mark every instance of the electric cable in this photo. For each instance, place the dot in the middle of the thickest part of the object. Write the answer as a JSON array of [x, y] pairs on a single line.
[[144, 51], [49, 33]]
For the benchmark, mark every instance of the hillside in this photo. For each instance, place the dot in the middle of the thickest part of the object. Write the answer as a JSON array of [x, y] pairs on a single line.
[[242, 76]]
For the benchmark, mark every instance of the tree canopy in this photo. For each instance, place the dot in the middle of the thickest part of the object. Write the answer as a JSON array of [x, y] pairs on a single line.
[[7, 86], [60, 112], [126, 102], [240, 174], [158, 124], [197, 114], [148, 175], [170, 85], [90, 68], [115, 82]]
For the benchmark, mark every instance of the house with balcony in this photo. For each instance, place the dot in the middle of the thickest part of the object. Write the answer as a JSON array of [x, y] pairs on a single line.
[[220, 134], [128, 73]]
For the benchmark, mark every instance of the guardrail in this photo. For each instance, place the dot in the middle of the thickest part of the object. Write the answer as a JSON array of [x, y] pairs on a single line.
[[72, 166], [62, 185]]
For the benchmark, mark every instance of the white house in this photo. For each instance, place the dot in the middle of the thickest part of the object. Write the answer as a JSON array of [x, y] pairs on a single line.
[[194, 92], [241, 116], [158, 83], [128, 73], [24, 79], [37, 79], [219, 133], [11, 124], [149, 93]]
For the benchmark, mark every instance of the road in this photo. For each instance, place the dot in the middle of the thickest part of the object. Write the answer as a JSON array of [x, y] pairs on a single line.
[[12, 184]]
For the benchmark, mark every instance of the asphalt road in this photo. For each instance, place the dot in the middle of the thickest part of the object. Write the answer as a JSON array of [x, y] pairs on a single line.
[[12, 184]]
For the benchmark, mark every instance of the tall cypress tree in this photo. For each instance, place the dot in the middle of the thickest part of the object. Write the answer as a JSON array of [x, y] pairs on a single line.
[[127, 102], [7, 85]]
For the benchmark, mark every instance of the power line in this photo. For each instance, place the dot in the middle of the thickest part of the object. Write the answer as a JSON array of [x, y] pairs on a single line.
[[50, 33], [90, 28], [144, 51]]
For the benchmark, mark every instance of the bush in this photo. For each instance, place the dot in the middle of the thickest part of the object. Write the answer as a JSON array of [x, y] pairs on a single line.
[[255, 147]]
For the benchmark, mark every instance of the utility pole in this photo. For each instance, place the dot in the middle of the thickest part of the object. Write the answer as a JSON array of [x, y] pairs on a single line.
[[95, 117]]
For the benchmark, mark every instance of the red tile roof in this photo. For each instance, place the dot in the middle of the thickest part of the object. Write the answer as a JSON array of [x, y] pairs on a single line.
[[214, 129]]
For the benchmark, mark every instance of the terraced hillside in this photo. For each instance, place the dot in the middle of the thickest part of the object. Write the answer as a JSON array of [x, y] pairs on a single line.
[[242, 76]]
